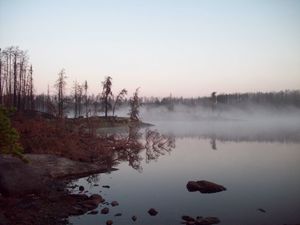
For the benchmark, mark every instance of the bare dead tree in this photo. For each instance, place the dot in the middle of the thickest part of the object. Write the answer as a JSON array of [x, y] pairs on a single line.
[[60, 86], [13, 77], [134, 106], [213, 101], [120, 97], [86, 98], [1, 80], [30, 88], [15, 55], [106, 93]]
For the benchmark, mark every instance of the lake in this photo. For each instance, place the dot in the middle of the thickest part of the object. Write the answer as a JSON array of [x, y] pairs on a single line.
[[258, 163]]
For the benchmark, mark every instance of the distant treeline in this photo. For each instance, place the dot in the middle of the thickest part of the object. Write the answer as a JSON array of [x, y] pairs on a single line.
[[17, 90], [276, 99], [95, 105]]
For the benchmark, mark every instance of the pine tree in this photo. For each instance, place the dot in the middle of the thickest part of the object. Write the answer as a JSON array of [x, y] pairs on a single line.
[[9, 136]]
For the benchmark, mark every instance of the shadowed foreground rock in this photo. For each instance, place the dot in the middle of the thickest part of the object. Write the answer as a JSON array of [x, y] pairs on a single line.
[[18, 178], [200, 220], [204, 186], [51, 209]]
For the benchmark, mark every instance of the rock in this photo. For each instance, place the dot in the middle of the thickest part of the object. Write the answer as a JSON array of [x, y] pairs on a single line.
[[97, 199], [152, 212], [91, 203], [80, 197], [105, 210], [81, 188], [109, 222], [134, 218], [3, 219], [18, 178], [190, 222], [204, 186], [200, 220], [207, 221], [93, 212], [114, 203], [118, 214], [187, 218], [261, 210], [76, 211], [106, 186]]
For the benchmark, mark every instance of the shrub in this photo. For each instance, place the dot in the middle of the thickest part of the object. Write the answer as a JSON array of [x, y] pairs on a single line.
[[9, 137]]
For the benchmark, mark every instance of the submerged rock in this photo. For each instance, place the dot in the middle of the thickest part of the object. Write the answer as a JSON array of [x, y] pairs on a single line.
[[118, 214], [106, 186], [134, 218], [187, 218], [81, 188], [114, 203], [109, 222], [93, 212], [261, 210], [91, 203], [200, 220], [207, 221], [152, 212], [204, 186], [96, 198], [105, 210]]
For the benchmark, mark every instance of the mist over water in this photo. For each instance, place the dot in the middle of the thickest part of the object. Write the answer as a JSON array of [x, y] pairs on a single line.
[[251, 123], [253, 152]]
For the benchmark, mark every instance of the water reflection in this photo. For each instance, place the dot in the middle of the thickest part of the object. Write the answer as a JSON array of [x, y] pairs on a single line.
[[282, 132], [130, 147], [213, 143], [157, 144], [249, 170]]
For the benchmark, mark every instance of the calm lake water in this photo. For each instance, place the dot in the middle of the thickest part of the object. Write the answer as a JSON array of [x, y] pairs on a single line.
[[258, 164]]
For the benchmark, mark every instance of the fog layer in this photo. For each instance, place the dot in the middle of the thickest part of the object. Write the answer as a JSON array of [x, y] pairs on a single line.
[[251, 123]]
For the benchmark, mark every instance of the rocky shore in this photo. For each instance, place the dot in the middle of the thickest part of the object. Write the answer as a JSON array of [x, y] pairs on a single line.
[[35, 193]]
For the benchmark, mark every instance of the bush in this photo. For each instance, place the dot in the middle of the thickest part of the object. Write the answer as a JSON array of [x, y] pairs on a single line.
[[9, 137]]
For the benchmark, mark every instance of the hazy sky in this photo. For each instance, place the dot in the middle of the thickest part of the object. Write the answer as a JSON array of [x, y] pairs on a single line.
[[187, 48]]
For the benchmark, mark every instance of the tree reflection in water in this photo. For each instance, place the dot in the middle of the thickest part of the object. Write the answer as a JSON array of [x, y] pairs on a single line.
[[213, 142], [157, 144], [151, 142]]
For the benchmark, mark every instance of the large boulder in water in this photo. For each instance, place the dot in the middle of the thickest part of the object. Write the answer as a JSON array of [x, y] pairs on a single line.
[[204, 186]]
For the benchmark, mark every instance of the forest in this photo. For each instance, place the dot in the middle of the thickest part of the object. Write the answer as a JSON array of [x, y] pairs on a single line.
[[17, 90]]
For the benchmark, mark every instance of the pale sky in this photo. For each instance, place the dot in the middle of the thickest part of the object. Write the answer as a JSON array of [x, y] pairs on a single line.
[[187, 48]]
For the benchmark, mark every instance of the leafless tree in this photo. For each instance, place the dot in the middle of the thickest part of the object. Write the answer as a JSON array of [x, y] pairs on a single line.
[[134, 106], [86, 98], [106, 93], [16, 86], [1, 80], [60, 86], [120, 97]]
